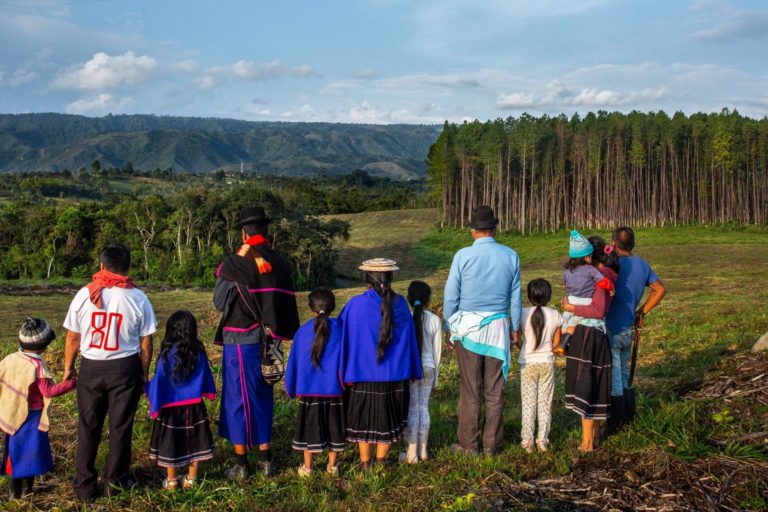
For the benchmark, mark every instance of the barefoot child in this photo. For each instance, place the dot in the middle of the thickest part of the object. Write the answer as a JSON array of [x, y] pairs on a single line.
[[26, 389], [313, 376], [541, 335], [580, 278], [181, 431], [429, 340]]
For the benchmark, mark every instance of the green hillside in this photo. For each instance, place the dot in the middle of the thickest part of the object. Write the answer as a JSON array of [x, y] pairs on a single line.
[[54, 142]]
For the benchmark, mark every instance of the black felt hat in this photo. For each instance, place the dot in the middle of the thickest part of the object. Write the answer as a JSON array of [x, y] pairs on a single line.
[[483, 218], [253, 215]]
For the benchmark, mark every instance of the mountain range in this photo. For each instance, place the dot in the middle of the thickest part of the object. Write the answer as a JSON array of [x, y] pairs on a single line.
[[54, 142]]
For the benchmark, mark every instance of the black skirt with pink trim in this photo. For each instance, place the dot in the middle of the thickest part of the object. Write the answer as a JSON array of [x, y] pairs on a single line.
[[180, 436], [377, 412], [588, 374]]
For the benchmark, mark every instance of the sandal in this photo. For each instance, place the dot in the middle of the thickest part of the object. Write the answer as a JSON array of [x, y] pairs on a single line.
[[171, 485], [188, 483], [304, 472]]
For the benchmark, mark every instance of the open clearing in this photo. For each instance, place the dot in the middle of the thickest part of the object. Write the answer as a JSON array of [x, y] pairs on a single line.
[[696, 444]]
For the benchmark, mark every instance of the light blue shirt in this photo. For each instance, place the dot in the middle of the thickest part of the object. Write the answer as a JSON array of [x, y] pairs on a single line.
[[484, 277]]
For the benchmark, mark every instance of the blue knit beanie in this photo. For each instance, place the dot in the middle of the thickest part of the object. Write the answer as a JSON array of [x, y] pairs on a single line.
[[579, 245]]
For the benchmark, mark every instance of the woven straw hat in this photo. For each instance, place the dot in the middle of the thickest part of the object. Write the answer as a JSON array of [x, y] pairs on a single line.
[[379, 265]]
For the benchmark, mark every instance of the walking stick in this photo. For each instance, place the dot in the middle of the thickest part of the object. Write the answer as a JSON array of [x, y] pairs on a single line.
[[629, 393]]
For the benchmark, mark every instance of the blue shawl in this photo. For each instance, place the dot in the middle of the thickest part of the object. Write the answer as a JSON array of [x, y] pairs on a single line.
[[163, 391], [302, 378], [361, 319]]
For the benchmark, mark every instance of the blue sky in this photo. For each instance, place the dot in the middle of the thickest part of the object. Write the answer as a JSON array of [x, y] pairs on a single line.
[[382, 61]]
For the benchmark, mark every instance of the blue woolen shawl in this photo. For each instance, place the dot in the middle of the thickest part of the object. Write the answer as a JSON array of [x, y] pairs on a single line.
[[163, 391], [302, 378], [361, 319]]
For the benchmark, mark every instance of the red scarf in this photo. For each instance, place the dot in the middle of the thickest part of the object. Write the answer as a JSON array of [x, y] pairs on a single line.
[[106, 279], [245, 251]]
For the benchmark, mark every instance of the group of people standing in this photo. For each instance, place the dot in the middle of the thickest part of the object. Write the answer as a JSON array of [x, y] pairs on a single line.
[[364, 377]]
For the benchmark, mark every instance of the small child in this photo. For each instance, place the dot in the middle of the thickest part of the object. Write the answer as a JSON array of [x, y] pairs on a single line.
[[580, 279], [312, 375], [541, 336], [26, 389], [429, 339], [181, 430]]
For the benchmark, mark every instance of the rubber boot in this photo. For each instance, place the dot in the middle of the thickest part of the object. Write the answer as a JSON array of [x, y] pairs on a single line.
[[423, 441], [630, 404], [616, 419], [29, 485], [15, 488]]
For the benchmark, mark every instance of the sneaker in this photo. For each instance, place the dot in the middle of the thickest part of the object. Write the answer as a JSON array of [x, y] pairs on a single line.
[[171, 485], [304, 472], [527, 447], [237, 473], [267, 468], [332, 470], [543, 446]]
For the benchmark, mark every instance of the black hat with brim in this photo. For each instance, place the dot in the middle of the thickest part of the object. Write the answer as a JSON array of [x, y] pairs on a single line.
[[483, 218], [253, 215]]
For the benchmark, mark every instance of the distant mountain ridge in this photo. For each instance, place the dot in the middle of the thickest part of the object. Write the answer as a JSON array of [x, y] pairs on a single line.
[[54, 142]]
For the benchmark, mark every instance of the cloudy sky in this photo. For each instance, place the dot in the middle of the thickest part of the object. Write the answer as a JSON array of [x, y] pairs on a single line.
[[382, 61]]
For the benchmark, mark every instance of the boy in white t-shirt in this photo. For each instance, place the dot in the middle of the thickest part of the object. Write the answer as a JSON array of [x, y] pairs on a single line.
[[111, 323], [541, 335]]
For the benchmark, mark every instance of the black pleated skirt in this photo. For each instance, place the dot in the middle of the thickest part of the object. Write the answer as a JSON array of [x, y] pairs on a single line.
[[377, 412], [181, 435], [320, 424], [588, 374]]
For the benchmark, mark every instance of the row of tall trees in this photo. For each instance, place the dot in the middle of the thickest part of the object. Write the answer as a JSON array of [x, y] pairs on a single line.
[[544, 173], [178, 238]]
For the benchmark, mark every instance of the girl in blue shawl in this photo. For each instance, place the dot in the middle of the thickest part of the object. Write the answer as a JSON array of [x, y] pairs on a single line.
[[181, 431], [379, 358], [312, 375]]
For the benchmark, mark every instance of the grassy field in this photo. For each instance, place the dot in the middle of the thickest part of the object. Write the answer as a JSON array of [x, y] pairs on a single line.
[[718, 286]]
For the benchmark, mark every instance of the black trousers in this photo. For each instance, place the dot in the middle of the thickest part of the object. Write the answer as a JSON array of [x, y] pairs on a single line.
[[103, 387]]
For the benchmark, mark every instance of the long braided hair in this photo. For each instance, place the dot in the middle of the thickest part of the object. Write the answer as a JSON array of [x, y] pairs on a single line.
[[322, 302], [539, 294], [419, 293], [381, 282]]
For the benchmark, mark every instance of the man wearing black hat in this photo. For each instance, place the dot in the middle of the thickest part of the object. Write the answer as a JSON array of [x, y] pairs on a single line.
[[482, 306], [254, 292]]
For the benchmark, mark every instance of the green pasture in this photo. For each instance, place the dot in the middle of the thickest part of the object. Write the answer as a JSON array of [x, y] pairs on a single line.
[[718, 287]]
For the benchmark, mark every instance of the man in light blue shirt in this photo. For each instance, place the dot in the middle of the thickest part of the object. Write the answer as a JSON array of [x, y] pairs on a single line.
[[482, 306]]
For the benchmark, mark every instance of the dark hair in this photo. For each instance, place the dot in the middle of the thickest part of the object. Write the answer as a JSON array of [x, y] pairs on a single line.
[[181, 334], [382, 284], [419, 293], [572, 263], [256, 228], [116, 258], [624, 238], [323, 302], [539, 294], [610, 259]]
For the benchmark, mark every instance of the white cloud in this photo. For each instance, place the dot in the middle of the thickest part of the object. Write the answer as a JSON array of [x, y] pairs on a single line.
[[100, 104], [248, 70], [104, 71], [206, 83], [739, 25], [515, 100], [442, 80], [185, 66], [19, 77]]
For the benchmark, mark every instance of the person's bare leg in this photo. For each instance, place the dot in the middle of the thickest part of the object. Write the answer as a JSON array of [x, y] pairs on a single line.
[[192, 471], [307, 460], [365, 452], [332, 456], [382, 450], [587, 435], [240, 449], [171, 481]]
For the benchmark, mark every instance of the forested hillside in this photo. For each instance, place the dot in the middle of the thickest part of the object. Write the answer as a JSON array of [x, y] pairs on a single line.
[[544, 173], [55, 142]]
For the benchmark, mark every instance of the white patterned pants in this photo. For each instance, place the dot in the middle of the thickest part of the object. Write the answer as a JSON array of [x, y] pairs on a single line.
[[418, 410], [537, 386]]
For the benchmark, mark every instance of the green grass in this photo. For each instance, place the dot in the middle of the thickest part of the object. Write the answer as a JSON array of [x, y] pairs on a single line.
[[718, 284]]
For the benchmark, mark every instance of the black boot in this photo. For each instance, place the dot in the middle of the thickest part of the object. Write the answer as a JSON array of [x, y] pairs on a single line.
[[28, 487], [616, 419], [629, 405], [14, 488]]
